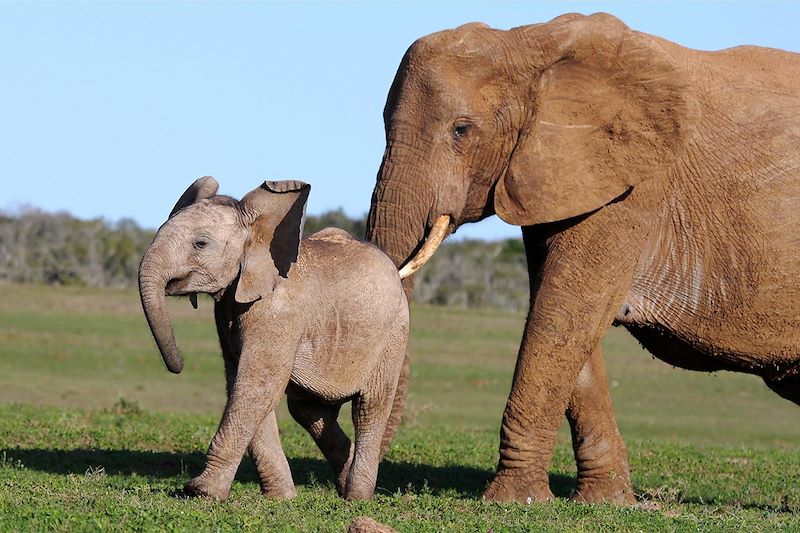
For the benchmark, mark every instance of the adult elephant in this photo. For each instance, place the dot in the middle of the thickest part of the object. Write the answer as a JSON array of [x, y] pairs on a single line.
[[657, 187]]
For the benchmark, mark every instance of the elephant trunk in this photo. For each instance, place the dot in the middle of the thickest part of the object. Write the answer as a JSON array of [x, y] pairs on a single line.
[[398, 214], [154, 274]]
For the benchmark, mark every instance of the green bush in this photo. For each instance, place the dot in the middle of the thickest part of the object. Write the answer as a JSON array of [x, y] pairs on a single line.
[[59, 249]]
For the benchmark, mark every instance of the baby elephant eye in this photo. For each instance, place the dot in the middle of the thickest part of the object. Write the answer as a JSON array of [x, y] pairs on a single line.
[[460, 131], [200, 244]]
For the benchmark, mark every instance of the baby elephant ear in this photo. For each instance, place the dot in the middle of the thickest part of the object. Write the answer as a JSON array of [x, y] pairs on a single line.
[[202, 188], [275, 212]]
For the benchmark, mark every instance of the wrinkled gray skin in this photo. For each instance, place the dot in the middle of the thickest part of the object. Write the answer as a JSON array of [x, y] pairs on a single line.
[[325, 321], [657, 187]]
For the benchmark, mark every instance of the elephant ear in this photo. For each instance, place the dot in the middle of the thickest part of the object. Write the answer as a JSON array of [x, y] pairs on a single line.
[[610, 111], [275, 212], [202, 188]]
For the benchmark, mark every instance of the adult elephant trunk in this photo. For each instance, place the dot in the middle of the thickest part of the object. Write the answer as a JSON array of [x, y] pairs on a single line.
[[396, 221], [154, 274], [401, 216]]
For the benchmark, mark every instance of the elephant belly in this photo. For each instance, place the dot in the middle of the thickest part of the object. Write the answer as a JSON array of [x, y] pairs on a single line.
[[302, 392], [675, 351], [720, 289], [333, 371], [744, 337]]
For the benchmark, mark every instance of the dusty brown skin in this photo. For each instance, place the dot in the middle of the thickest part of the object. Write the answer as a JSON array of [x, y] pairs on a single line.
[[326, 321], [657, 187]]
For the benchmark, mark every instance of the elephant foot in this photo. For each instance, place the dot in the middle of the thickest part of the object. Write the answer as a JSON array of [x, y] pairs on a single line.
[[610, 488], [523, 486], [346, 460], [286, 492], [359, 488], [353, 493], [204, 487], [341, 483]]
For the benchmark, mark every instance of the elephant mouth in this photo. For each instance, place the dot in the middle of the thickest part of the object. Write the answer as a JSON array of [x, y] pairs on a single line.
[[437, 234], [181, 287], [178, 287]]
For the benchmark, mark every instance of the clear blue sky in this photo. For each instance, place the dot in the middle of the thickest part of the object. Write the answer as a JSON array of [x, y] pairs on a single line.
[[112, 109]]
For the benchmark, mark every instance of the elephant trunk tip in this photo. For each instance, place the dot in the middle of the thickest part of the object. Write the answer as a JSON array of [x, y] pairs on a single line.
[[175, 366], [172, 357]]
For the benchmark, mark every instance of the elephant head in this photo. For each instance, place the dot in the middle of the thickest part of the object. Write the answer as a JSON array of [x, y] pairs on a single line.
[[211, 243], [536, 124]]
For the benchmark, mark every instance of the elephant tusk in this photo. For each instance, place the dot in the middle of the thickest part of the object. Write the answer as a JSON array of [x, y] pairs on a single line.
[[193, 299], [435, 237]]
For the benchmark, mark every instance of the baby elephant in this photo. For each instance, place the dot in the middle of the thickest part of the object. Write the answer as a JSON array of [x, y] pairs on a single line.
[[324, 320]]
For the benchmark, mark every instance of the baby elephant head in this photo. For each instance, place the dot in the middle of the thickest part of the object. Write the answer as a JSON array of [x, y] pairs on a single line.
[[211, 243]]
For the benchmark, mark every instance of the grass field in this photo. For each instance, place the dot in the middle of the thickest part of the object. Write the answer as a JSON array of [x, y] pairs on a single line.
[[96, 434]]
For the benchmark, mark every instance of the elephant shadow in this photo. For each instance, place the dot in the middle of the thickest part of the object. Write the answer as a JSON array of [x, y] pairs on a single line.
[[393, 477]]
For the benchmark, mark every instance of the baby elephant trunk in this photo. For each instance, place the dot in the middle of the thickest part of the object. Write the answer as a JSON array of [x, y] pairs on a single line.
[[154, 275]]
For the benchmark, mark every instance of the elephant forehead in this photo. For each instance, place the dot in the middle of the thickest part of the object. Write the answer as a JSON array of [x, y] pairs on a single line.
[[443, 92], [204, 214], [447, 78], [469, 42]]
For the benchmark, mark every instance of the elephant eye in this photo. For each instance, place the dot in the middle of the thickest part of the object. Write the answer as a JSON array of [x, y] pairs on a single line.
[[460, 131], [200, 244]]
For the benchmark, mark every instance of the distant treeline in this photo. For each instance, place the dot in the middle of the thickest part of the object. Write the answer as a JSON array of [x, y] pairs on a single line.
[[57, 248]]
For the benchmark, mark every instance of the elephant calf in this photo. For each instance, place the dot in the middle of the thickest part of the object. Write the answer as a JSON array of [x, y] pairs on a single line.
[[325, 320]]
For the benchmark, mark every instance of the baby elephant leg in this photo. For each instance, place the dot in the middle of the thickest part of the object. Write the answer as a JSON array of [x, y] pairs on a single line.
[[370, 415], [259, 384], [265, 448], [267, 453], [320, 421], [371, 410]]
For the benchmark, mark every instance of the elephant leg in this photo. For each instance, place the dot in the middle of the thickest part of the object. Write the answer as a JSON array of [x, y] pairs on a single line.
[[600, 453], [265, 448], [259, 384], [370, 414], [371, 411], [401, 392], [581, 283], [398, 406], [267, 453], [320, 421]]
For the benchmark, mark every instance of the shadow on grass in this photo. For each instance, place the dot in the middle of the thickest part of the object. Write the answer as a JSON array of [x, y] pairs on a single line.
[[465, 481]]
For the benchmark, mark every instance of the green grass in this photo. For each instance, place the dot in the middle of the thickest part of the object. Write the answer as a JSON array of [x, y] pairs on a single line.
[[96, 434]]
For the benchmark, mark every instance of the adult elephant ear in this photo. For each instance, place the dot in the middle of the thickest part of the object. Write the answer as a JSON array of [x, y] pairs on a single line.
[[611, 110], [275, 212], [202, 188]]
